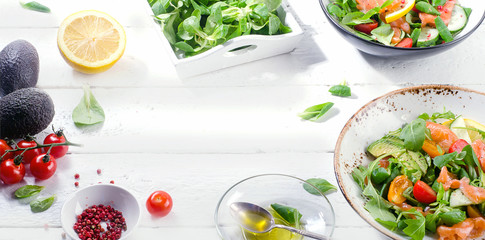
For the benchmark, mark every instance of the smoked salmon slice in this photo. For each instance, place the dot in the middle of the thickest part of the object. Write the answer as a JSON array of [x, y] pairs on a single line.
[[445, 11]]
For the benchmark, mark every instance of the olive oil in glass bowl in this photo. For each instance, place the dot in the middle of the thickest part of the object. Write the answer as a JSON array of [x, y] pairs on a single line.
[[264, 190]]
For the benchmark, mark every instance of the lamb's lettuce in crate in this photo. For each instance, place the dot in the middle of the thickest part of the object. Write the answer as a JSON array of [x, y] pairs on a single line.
[[195, 26]]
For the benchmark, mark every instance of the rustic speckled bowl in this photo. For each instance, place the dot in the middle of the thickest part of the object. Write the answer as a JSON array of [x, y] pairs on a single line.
[[377, 49], [388, 113]]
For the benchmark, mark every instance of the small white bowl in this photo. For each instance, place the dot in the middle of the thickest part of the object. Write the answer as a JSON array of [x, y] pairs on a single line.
[[107, 194]]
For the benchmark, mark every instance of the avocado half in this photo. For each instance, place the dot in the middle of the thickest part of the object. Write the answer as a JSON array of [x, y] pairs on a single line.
[[19, 66], [24, 112]]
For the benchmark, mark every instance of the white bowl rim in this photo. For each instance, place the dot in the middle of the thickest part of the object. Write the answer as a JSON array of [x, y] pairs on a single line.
[[98, 185], [359, 209], [264, 175]]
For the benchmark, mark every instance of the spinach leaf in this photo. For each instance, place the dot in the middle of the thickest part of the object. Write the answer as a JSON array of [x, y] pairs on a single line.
[[383, 34], [415, 35], [321, 184], [35, 6], [443, 30], [341, 90], [335, 10], [42, 204], [453, 217], [313, 113], [28, 191], [88, 111], [289, 214], [427, 8], [413, 135]]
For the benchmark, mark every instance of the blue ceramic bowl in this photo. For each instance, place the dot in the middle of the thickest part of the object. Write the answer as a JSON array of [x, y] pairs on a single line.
[[377, 49]]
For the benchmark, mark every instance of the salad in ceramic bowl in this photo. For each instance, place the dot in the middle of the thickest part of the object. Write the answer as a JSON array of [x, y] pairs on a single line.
[[420, 174]]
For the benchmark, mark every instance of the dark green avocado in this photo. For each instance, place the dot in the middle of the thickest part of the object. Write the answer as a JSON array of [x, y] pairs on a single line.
[[19, 66], [26, 111]]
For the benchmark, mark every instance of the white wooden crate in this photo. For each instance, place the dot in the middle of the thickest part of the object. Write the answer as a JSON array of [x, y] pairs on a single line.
[[238, 50]]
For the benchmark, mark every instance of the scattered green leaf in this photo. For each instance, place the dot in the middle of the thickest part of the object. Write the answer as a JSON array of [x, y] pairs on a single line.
[[28, 191], [321, 184], [313, 113], [341, 90], [35, 6], [88, 112], [42, 204], [289, 214]]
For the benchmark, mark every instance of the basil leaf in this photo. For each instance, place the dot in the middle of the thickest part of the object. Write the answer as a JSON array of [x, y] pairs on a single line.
[[35, 6], [413, 135], [453, 217], [383, 34], [42, 204], [443, 30], [289, 214], [427, 8], [28, 191], [88, 111], [321, 184], [341, 90], [313, 113]]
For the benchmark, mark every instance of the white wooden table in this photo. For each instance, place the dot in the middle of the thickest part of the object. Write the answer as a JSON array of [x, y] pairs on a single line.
[[196, 137]]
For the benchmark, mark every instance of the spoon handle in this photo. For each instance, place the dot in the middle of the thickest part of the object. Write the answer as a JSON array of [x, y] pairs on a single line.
[[303, 232]]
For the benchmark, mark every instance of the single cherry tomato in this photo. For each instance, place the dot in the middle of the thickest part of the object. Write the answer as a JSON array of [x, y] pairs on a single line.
[[159, 203], [424, 193], [3, 148], [58, 151], [366, 27], [458, 146], [29, 154], [396, 189], [12, 171], [405, 43], [43, 166]]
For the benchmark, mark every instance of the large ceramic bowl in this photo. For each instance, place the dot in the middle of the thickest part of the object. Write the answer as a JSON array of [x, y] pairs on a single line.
[[377, 49], [264, 190], [387, 113]]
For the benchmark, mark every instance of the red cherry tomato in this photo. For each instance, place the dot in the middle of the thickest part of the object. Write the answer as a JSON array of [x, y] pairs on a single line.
[[11, 173], [159, 203], [29, 154], [366, 27], [424, 193], [3, 148], [58, 151], [405, 43], [384, 163], [458, 145], [43, 170]]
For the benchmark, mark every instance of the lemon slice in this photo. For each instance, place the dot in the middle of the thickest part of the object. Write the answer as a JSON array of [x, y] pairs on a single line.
[[402, 10], [91, 41], [474, 135]]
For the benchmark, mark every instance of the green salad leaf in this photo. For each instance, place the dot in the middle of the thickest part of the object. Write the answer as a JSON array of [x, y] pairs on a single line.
[[41, 205], [88, 111], [443, 30], [383, 34], [314, 113], [289, 214], [341, 90], [413, 135], [425, 7], [35, 6], [321, 184], [453, 217], [28, 191], [415, 226]]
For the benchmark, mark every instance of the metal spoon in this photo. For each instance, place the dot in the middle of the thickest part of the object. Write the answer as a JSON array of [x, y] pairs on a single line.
[[258, 220]]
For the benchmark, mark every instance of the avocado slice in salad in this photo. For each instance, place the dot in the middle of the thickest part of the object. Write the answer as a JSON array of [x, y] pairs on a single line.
[[386, 145]]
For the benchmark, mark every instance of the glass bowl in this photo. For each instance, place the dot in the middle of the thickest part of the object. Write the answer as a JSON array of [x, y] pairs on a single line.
[[317, 212], [377, 49]]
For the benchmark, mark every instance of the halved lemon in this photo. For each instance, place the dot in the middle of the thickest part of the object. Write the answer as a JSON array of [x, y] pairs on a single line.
[[402, 9], [91, 41]]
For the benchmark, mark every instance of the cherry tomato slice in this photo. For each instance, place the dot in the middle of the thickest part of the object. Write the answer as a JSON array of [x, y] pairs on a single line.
[[458, 145], [11, 173], [58, 151], [366, 27], [159, 203], [29, 154], [405, 43], [43, 170], [396, 189], [424, 193]]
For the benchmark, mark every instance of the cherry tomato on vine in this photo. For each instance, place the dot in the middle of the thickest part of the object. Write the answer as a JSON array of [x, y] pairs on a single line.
[[43, 166], [57, 137], [159, 203], [29, 154], [10, 172], [396, 190], [3, 148], [424, 193]]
